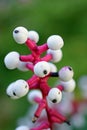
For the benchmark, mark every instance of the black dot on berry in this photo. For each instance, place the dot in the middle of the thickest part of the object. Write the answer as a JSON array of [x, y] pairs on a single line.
[[45, 71], [16, 31], [26, 86], [54, 100], [14, 93], [70, 68]]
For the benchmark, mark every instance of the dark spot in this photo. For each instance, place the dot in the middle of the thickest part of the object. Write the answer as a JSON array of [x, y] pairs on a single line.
[[68, 122], [16, 31], [54, 100], [45, 71], [14, 93], [58, 92], [70, 68], [26, 86]]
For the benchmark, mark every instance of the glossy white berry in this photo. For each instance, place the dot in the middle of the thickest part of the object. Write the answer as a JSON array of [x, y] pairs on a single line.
[[22, 66], [33, 35], [34, 94], [52, 67], [22, 128], [11, 60], [20, 35], [55, 42], [17, 89], [69, 86], [56, 55], [66, 73], [55, 95], [42, 69], [10, 91], [21, 88]]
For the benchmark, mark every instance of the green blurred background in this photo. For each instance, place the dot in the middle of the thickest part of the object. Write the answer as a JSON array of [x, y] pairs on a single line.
[[64, 17]]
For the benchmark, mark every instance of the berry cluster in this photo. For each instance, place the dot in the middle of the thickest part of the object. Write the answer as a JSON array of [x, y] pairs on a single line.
[[42, 68]]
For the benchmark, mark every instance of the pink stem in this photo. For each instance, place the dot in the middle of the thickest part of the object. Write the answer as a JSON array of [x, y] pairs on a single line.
[[30, 67], [27, 58], [56, 120], [60, 87], [41, 106], [43, 48], [37, 99], [31, 45], [33, 82], [48, 57]]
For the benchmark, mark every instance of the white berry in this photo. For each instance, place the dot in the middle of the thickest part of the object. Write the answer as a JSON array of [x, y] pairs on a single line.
[[66, 73], [17, 89], [20, 35], [55, 42], [21, 88], [42, 69], [33, 35], [69, 86], [10, 91], [55, 95], [56, 55], [11, 60]]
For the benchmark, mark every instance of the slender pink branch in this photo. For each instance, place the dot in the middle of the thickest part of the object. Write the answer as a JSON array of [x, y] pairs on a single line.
[[42, 105], [27, 58], [30, 66], [31, 45], [43, 48], [60, 87], [33, 82], [48, 57]]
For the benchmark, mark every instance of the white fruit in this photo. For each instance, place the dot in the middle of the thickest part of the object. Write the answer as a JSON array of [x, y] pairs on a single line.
[[69, 86], [10, 91], [55, 42], [33, 35], [11, 60], [55, 95], [20, 35], [66, 73], [56, 55], [21, 88], [42, 69], [17, 89]]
